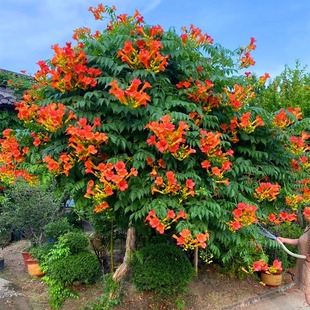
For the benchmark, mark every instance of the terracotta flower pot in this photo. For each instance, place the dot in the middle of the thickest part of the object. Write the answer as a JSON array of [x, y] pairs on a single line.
[[34, 268], [273, 280], [26, 255]]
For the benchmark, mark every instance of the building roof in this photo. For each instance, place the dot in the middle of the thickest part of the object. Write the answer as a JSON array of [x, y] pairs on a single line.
[[7, 97]]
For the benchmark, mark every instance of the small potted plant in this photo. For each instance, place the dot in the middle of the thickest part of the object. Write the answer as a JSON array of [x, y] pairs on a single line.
[[271, 275]]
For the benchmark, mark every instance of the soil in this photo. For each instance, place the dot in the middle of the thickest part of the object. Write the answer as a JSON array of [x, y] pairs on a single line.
[[210, 290]]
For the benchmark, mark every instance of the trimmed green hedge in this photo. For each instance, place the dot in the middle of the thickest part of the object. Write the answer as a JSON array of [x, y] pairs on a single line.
[[162, 268], [80, 267]]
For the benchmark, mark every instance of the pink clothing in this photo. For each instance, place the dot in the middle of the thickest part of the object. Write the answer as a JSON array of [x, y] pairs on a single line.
[[302, 277]]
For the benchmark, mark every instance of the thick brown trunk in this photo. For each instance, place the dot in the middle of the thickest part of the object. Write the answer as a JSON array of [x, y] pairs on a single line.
[[130, 247]]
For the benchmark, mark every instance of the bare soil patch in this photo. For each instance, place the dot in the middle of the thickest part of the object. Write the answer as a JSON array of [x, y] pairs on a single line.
[[211, 290]]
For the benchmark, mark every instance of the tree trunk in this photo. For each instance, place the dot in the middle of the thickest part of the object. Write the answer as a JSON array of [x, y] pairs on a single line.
[[130, 247], [196, 261]]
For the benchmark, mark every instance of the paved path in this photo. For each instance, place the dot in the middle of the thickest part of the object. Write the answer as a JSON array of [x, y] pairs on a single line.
[[11, 297], [286, 298]]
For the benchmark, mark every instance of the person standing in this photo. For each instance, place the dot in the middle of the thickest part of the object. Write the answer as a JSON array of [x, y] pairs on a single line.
[[302, 275]]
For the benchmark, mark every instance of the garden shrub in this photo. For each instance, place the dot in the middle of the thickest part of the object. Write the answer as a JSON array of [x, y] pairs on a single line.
[[73, 219], [76, 241], [68, 261], [54, 230], [28, 208], [82, 267], [162, 268], [41, 253]]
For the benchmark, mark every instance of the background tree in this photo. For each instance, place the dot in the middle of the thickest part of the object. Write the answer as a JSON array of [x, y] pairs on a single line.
[[291, 88]]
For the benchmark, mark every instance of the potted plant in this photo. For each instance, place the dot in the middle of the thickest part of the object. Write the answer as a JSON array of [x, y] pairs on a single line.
[[271, 275]]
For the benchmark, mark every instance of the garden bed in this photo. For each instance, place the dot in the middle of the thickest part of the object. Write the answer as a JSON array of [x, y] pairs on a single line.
[[211, 290]]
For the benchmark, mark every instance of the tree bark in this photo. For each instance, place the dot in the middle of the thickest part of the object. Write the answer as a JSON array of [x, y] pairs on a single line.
[[130, 247]]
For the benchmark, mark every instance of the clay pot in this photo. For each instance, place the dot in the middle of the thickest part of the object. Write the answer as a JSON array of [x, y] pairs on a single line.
[[26, 255], [34, 268], [272, 279]]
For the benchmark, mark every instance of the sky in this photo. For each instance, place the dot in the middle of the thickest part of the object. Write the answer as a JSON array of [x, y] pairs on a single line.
[[29, 28]]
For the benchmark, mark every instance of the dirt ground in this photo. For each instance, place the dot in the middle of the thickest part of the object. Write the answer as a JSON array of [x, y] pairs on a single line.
[[211, 290]]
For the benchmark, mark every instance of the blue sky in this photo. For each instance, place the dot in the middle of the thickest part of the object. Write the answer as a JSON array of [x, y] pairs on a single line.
[[28, 28]]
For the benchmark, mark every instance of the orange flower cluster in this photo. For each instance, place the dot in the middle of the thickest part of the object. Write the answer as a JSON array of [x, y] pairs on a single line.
[[84, 33], [306, 213], [167, 139], [210, 145], [239, 96], [11, 153], [283, 120], [68, 69], [281, 218], [195, 35], [246, 124], [131, 97], [267, 191], [244, 215], [172, 186], [27, 108], [97, 11], [39, 138], [84, 140], [306, 193], [201, 93], [62, 166], [261, 265], [216, 171], [294, 201], [299, 145], [264, 78], [111, 177], [162, 225], [302, 163], [186, 240], [246, 60], [51, 116], [85, 143], [144, 53]]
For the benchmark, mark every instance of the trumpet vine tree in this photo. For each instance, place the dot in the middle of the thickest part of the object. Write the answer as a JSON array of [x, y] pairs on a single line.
[[161, 130]]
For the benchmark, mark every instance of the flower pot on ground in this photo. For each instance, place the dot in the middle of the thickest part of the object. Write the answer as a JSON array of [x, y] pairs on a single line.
[[1, 263], [26, 256], [34, 268], [271, 275], [272, 279]]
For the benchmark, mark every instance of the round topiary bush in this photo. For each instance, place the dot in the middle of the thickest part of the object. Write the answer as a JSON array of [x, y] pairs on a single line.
[[81, 267], [53, 230], [162, 268], [76, 241]]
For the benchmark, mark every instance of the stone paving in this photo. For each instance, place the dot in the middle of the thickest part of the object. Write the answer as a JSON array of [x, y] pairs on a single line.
[[11, 297]]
